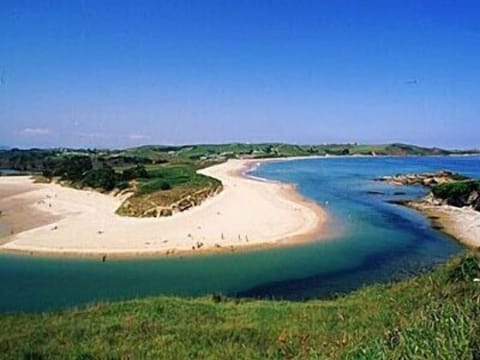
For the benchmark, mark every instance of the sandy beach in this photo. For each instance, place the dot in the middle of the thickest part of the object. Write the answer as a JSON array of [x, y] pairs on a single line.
[[461, 223], [51, 219]]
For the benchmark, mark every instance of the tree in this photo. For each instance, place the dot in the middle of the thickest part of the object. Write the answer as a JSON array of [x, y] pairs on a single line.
[[74, 168]]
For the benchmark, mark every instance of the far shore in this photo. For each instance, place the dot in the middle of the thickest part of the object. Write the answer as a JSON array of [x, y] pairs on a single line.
[[48, 219]]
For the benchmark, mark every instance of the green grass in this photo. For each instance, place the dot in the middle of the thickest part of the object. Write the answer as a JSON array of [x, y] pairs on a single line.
[[433, 316], [172, 175]]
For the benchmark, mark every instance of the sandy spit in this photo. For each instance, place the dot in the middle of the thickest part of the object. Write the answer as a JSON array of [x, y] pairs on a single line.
[[55, 220]]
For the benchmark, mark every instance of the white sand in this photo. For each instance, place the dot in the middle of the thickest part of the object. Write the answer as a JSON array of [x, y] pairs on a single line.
[[246, 213]]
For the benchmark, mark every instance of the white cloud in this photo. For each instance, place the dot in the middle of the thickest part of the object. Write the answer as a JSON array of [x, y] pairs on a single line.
[[138, 137], [95, 135], [35, 131], [100, 136]]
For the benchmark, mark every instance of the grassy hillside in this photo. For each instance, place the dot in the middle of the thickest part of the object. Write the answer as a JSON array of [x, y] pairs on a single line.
[[433, 316]]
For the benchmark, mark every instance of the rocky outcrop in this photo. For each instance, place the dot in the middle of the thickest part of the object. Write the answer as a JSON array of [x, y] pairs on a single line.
[[472, 200], [447, 188], [425, 179]]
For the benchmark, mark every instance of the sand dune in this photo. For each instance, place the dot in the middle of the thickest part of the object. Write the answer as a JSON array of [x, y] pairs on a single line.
[[247, 212]]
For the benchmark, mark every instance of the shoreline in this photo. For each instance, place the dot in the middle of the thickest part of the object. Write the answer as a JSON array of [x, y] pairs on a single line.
[[292, 220], [462, 224]]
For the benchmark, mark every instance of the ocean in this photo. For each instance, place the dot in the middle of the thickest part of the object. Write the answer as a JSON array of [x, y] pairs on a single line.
[[373, 241]]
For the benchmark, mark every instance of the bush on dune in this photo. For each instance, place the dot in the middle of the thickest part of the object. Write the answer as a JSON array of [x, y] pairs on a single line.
[[137, 172], [103, 178], [72, 168]]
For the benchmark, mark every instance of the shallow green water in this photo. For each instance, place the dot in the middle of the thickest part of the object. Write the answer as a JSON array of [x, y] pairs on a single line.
[[379, 242]]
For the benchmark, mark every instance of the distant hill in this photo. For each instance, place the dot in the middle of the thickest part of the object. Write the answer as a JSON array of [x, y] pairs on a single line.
[[284, 150], [34, 159], [3, 147]]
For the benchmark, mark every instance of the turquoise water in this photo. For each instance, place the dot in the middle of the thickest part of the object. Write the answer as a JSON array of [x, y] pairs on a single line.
[[379, 242]]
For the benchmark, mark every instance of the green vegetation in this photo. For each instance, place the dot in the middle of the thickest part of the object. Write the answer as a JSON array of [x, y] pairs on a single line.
[[70, 168], [137, 172], [83, 171], [456, 189], [433, 316], [103, 178]]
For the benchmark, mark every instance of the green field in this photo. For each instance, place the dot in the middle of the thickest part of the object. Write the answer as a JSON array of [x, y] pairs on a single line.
[[432, 316]]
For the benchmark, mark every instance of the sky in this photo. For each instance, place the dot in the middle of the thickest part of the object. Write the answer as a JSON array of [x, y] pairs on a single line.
[[123, 73]]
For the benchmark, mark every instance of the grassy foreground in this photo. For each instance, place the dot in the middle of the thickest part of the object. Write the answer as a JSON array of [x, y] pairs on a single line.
[[433, 316]]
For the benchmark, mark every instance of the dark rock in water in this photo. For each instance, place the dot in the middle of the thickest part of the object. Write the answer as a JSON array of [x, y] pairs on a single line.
[[399, 202], [398, 193], [375, 193]]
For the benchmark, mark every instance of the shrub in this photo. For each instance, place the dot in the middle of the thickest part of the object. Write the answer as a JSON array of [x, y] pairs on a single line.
[[103, 178], [153, 185], [165, 186], [71, 168], [136, 172], [122, 184], [455, 189]]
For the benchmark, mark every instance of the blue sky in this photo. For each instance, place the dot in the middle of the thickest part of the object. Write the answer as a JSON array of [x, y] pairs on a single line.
[[116, 73]]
